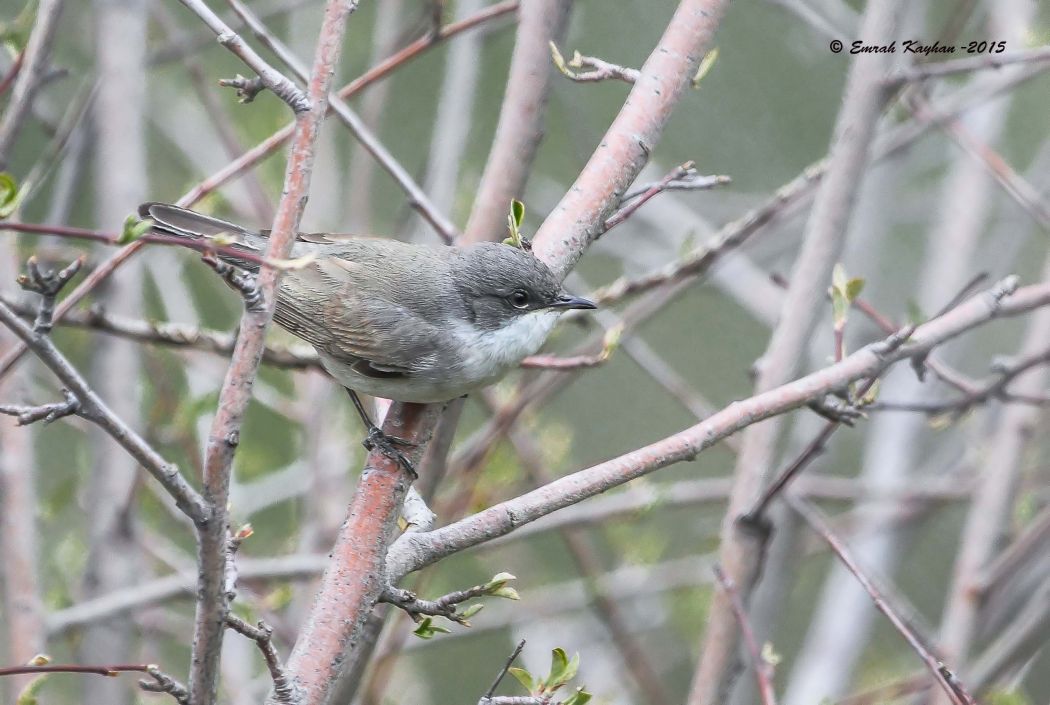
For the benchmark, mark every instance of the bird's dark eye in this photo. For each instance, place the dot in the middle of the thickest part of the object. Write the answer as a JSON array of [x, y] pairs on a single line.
[[519, 298]]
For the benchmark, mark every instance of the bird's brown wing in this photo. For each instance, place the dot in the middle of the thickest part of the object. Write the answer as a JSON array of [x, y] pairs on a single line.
[[325, 305]]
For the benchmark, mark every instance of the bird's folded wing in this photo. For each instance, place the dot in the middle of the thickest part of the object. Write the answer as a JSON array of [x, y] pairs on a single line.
[[373, 335]]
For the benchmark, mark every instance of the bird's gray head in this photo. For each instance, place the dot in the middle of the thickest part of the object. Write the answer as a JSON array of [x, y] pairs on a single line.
[[501, 283]]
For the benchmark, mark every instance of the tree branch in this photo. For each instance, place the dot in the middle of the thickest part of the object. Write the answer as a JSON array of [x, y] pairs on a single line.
[[212, 605], [414, 551]]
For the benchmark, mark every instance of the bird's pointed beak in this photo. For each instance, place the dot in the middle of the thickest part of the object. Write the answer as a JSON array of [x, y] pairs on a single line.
[[567, 301]]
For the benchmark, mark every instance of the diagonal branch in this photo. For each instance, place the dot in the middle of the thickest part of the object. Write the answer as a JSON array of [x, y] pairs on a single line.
[[414, 551], [95, 410], [270, 77]]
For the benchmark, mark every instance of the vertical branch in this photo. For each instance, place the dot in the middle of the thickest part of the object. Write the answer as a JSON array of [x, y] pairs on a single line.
[[742, 547], [520, 125], [34, 64], [212, 605], [521, 118], [120, 181]]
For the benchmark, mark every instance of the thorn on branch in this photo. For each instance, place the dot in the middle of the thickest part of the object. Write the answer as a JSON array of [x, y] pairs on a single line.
[[240, 280], [247, 88], [48, 412], [503, 671], [47, 283], [163, 683], [284, 689]]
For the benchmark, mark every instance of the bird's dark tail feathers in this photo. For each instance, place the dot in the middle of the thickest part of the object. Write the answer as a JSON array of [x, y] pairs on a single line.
[[189, 225]]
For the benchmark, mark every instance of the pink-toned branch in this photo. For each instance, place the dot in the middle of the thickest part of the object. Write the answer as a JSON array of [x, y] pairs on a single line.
[[212, 606]]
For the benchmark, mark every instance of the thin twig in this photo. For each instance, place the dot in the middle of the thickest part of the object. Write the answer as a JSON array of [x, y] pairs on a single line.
[[503, 671], [284, 688], [763, 669], [273, 79], [96, 411], [939, 69], [941, 674]]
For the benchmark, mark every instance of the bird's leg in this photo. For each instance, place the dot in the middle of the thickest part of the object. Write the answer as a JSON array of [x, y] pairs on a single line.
[[377, 440]]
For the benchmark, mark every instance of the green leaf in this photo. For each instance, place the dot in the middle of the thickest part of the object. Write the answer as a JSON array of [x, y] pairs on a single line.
[[706, 64], [853, 288], [31, 690], [15, 34], [514, 221], [871, 395], [10, 194], [134, 229], [839, 307], [472, 610], [558, 59], [427, 629], [525, 678], [580, 697], [915, 314], [559, 661], [838, 278], [517, 211], [497, 581], [507, 592]]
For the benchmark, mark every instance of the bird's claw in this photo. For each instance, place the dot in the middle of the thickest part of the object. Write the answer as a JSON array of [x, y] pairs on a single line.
[[385, 444]]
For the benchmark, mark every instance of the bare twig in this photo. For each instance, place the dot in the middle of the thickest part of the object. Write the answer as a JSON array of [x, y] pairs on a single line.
[[763, 669], [163, 683], [96, 411], [595, 69], [270, 77], [941, 674], [417, 197], [48, 284], [503, 671], [682, 177], [444, 606], [939, 69], [47, 412], [33, 64], [284, 689]]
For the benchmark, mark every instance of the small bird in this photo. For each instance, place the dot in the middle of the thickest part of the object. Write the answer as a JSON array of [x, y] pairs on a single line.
[[413, 323]]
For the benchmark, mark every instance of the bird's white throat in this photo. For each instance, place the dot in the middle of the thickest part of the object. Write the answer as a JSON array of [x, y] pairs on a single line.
[[489, 353]]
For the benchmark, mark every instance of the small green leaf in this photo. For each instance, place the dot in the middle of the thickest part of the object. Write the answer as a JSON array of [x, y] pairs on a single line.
[[134, 229], [769, 654], [559, 662], [514, 221], [838, 278], [472, 610], [580, 697], [915, 314], [31, 690], [427, 629], [10, 194], [706, 64], [525, 678], [853, 288], [497, 581], [507, 592], [839, 307], [558, 59], [871, 395]]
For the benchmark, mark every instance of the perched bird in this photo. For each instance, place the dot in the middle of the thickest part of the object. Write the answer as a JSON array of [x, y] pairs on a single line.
[[414, 323]]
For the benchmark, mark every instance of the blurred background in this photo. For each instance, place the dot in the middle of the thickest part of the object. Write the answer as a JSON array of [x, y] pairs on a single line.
[[131, 111]]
